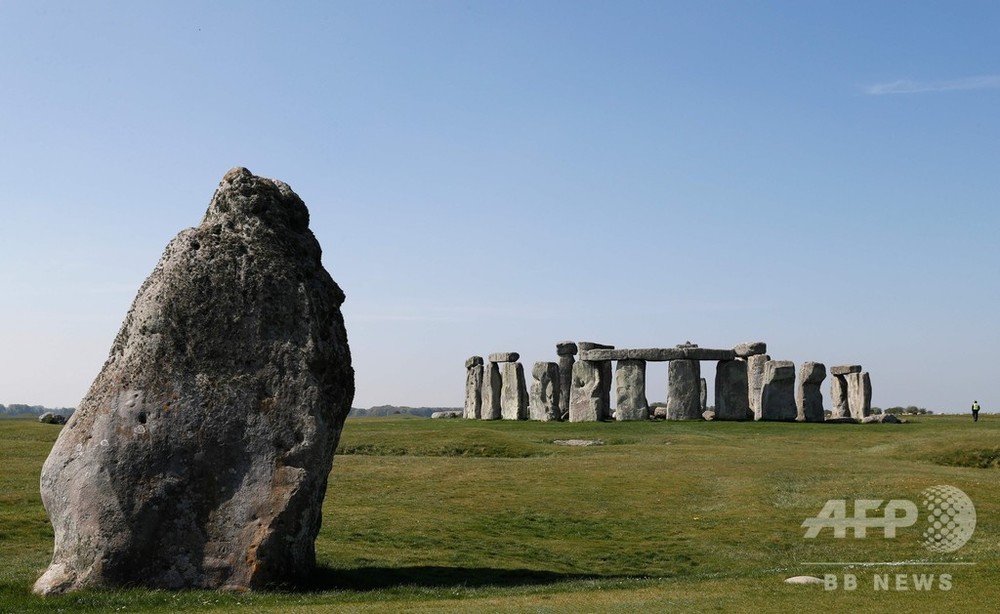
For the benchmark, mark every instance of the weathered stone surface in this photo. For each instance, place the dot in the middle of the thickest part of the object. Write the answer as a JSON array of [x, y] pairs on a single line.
[[492, 385], [199, 458], [881, 419], [603, 354], [472, 361], [751, 348], [438, 415], [504, 357], [654, 354], [838, 396], [845, 369], [731, 391], [566, 348], [583, 346], [755, 378], [684, 390], [51, 418], [810, 397], [840, 420], [586, 401], [474, 391], [697, 353], [777, 398], [708, 415], [630, 401], [513, 392], [565, 383], [703, 394], [543, 401], [859, 394]]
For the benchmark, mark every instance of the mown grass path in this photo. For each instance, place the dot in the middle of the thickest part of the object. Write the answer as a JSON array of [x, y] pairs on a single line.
[[437, 515]]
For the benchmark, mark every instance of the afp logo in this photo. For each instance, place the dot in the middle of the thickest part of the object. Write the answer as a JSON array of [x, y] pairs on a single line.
[[948, 514]]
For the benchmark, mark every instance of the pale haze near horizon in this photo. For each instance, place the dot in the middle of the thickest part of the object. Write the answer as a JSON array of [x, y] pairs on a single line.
[[502, 176]]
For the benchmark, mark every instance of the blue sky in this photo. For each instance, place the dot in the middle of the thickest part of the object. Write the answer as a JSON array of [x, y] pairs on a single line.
[[494, 176]]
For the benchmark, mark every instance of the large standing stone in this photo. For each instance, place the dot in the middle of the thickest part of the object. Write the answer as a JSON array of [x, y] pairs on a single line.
[[731, 391], [810, 396], [514, 392], [859, 394], [199, 458], [755, 377], [684, 390], [586, 401], [490, 409], [777, 399], [543, 398], [473, 388], [838, 396], [631, 403], [565, 351]]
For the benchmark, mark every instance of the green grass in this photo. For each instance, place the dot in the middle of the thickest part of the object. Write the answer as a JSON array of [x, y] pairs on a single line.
[[451, 515]]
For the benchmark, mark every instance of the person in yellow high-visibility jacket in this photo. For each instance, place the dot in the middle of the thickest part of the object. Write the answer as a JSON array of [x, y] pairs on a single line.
[[975, 411]]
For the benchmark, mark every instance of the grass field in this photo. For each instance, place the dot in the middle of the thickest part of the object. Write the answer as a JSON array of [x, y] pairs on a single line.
[[439, 516]]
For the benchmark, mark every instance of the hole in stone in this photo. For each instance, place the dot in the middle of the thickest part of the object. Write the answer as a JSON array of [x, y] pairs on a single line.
[[142, 418]]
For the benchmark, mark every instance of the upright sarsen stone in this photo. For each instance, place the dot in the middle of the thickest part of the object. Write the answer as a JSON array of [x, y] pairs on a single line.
[[838, 395], [199, 457], [586, 401], [543, 398], [810, 397], [859, 394], [473, 388], [490, 409], [777, 399], [731, 391], [755, 376], [684, 390], [631, 402], [514, 392], [565, 351]]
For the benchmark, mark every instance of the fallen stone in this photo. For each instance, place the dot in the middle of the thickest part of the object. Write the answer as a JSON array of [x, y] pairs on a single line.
[[752, 348], [51, 418], [578, 442], [446, 414], [845, 369], [543, 398], [708, 415], [504, 357], [630, 378], [803, 580], [200, 456], [473, 361], [881, 419], [513, 392], [840, 420]]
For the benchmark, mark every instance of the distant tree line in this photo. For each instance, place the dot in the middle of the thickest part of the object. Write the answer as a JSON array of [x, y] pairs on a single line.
[[33, 410], [909, 410]]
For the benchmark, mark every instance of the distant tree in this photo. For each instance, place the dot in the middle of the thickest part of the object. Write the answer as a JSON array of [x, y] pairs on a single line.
[[876, 411]]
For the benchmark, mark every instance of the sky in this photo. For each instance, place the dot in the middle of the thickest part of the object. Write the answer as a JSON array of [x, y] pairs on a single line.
[[490, 176]]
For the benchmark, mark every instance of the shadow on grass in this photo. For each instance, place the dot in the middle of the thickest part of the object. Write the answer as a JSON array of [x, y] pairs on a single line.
[[380, 578]]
